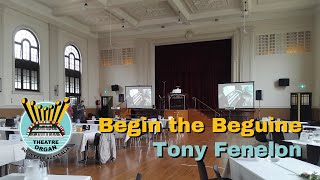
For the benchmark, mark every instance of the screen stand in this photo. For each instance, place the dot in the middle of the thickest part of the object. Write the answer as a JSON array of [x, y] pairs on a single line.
[[229, 109], [259, 110]]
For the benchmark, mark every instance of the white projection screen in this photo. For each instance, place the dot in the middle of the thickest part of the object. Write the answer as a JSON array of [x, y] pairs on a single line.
[[238, 95], [139, 97]]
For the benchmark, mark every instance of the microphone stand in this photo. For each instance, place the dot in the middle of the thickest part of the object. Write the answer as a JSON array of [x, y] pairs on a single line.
[[164, 95]]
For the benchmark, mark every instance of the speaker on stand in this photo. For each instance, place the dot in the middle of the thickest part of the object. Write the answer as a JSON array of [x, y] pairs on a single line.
[[259, 98]]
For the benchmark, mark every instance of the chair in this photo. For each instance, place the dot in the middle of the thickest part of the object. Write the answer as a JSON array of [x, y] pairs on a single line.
[[202, 170], [314, 123], [216, 171], [139, 176], [277, 137], [261, 137], [96, 144], [313, 154], [288, 144], [9, 122]]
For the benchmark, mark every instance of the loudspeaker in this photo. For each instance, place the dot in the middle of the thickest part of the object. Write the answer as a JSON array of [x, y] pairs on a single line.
[[115, 88], [284, 82], [259, 95], [121, 97]]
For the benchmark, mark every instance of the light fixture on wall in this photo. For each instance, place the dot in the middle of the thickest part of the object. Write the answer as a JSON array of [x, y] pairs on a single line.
[[56, 90]]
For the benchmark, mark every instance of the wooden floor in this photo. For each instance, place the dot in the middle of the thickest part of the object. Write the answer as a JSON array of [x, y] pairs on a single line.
[[143, 159]]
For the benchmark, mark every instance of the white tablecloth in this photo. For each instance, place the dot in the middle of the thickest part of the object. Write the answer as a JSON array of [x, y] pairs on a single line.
[[164, 122], [314, 127], [10, 152], [303, 145], [9, 129], [50, 177], [261, 169], [79, 139], [92, 121]]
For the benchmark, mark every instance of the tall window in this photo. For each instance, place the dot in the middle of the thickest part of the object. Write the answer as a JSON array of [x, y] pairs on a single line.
[[72, 70], [27, 64]]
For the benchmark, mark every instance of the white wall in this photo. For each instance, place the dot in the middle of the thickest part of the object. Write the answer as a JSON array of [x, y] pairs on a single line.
[[138, 73], [316, 58], [52, 40], [264, 70], [269, 69]]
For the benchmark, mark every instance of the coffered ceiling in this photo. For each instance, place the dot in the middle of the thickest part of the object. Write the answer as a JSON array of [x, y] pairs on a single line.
[[139, 15]]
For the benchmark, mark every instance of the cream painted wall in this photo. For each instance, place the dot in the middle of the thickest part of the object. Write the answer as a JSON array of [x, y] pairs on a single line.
[[264, 70], [269, 69], [316, 50], [52, 40]]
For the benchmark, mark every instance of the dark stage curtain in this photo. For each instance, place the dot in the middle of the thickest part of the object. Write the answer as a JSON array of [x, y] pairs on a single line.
[[197, 68]]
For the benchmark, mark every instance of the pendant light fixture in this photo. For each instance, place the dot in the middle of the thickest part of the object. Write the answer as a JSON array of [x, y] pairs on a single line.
[[245, 14]]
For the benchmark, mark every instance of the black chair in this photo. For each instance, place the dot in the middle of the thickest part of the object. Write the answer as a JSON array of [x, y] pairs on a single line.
[[261, 137], [288, 144], [139, 176], [216, 171], [202, 170], [310, 129], [277, 137], [314, 123], [313, 154], [96, 144], [9, 122]]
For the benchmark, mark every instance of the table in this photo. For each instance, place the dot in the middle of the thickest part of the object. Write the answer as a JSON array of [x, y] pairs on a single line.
[[9, 129], [92, 121], [261, 169], [303, 145], [6, 129], [80, 139], [10, 152], [314, 127], [50, 177]]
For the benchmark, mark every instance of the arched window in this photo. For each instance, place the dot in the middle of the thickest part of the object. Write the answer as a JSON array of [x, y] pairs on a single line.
[[72, 66], [27, 63]]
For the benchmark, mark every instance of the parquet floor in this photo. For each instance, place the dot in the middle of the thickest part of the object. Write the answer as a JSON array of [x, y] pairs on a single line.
[[143, 159]]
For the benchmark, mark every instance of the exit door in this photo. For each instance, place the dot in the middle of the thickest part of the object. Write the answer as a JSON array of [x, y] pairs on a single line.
[[106, 104]]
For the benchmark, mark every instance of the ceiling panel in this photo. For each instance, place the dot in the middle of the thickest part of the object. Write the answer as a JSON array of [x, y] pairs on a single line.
[[59, 3], [147, 10], [198, 6], [100, 17]]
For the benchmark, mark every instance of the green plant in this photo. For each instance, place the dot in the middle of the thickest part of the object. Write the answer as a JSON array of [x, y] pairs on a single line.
[[313, 176]]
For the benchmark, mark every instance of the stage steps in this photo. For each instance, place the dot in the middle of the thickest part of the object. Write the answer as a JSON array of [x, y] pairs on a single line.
[[201, 115]]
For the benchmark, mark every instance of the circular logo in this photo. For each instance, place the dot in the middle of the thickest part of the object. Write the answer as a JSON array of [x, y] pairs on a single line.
[[45, 127]]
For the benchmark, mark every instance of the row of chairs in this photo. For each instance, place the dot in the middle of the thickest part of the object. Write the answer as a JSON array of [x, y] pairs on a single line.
[[203, 172], [313, 152]]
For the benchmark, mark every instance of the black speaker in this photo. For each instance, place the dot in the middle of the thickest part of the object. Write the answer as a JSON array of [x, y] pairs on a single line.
[[115, 88], [121, 97], [284, 82], [259, 95]]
